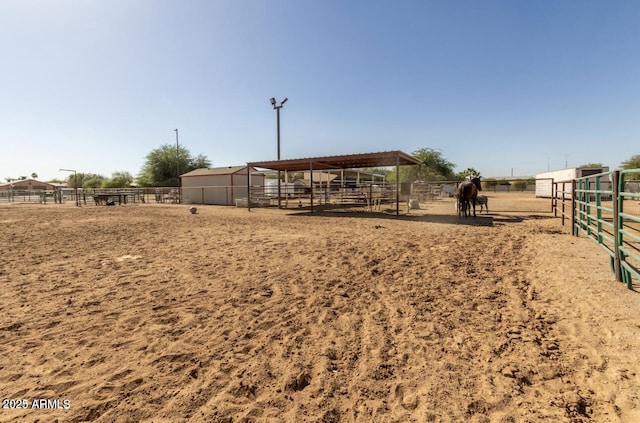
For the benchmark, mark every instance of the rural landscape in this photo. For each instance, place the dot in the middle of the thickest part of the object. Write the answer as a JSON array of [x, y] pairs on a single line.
[[320, 211], [146, 312]]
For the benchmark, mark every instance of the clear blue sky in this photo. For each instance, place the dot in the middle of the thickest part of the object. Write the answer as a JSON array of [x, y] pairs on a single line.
[[526, 85]]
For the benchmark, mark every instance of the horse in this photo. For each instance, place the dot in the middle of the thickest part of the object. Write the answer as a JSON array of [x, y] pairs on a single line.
[[467, 194]]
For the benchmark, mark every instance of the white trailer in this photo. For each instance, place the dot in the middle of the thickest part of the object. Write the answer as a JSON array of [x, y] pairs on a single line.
[[545, 180], [287, 189]]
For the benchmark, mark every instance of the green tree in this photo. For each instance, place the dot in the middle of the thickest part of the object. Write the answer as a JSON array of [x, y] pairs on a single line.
[[434, 167], [93, 181], [632, 163], [34, 175], [378, 170], [198, 162], [85, 180], [120, 179], [162, 164], [470, 172], [75, 180]]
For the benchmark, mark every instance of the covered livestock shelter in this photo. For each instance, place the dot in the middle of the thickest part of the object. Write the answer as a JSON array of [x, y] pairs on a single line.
[[332, 163], [217, 186]]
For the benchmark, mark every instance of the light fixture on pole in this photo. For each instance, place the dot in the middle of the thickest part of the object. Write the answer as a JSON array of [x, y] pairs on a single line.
[[75, 183], [277, 109]]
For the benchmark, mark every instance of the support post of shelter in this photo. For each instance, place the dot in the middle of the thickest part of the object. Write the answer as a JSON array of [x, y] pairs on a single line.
[[342, 184], [248, 187], [311, 182], [554, 198], [286, 189], [397, 185], [574, 230]]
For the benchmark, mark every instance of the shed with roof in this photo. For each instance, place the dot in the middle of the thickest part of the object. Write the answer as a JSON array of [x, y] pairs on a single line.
[[218, 185], [27, 185]]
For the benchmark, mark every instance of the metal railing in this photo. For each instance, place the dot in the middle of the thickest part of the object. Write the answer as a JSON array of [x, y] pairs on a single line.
[[30, 196], [563, 195], [628, 232], [86, 196], [599, 204]]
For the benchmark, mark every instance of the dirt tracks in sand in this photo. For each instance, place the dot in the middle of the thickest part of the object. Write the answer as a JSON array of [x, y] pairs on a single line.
[[153, 314]]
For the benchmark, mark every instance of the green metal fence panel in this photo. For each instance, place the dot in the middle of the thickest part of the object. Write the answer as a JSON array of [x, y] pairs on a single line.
[[628, 232], [599, 213]]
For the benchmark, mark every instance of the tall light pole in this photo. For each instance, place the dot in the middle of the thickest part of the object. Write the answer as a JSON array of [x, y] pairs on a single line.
[[75, 183], [177, 163], [277, 109]]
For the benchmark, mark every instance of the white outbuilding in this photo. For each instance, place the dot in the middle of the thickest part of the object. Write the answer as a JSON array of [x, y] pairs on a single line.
[[545, 181], [218, 185]]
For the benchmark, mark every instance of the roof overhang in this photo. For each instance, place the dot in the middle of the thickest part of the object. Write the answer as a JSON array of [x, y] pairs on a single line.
[[348, 161]]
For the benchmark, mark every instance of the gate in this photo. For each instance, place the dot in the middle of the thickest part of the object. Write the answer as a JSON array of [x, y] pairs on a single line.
[[603, 210]]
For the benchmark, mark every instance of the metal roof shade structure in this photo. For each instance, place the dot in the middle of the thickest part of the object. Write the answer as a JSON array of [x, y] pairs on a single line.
[[347, 161]]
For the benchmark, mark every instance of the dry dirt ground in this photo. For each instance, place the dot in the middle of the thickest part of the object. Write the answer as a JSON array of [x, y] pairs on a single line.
[[148, 313]]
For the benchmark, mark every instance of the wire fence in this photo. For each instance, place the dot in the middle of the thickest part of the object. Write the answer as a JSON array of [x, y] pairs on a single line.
[[88, 197], [377, 194], [292, 194]]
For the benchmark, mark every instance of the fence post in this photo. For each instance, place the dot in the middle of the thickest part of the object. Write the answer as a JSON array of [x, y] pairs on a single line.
[[554, 198], [574, 229], [249, 168], [598, 209], [564, 202], [617, 236]]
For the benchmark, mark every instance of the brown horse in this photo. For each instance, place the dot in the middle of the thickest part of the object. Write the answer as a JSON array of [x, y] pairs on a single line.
[[467, 194]]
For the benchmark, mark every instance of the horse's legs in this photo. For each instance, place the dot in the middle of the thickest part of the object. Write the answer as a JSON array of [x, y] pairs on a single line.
[[462, 207]]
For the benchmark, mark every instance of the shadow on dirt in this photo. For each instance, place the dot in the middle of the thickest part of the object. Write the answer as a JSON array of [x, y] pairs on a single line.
[[451, 219], [508, 219], [390, 214]]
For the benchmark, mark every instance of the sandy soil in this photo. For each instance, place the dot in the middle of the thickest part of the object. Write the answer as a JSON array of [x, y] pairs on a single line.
[[147, 313]]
